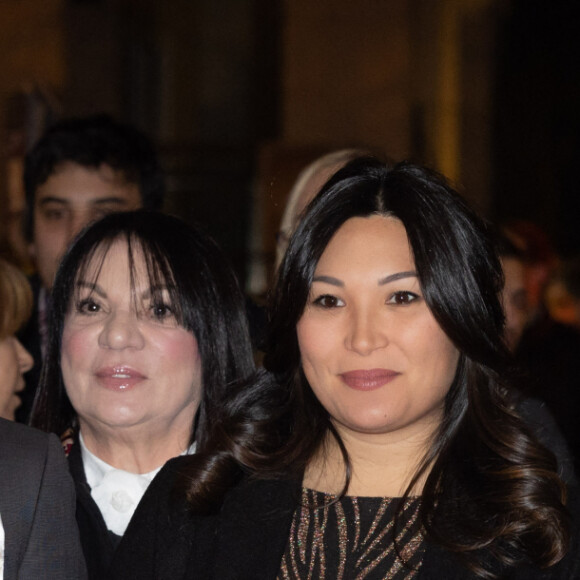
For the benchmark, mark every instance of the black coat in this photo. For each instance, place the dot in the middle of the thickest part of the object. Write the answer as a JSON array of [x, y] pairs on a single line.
[[247, 539], [97, 541]]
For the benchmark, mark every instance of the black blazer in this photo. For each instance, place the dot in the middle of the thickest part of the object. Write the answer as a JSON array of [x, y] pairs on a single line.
[[246, 541], [37, 507]]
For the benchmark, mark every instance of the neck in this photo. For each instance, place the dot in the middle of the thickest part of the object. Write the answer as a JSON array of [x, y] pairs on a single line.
[[382, 465], [133, 452]]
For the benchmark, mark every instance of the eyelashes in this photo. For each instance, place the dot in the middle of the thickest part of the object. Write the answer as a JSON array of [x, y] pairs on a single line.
[[328, 301], [403, 298], [87, 306], [158, 311], [398, 298], [161, 311]]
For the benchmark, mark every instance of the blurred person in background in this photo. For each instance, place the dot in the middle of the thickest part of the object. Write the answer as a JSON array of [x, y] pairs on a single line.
[[15, 360], [541, 260], [547, 350], [514, 295], [562, 293], [307, 185], [80, 170]]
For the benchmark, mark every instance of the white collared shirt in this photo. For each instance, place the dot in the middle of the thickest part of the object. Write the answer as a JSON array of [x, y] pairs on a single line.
[[115, 491]]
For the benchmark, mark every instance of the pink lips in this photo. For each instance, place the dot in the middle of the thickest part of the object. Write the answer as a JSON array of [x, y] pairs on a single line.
[[119, 378], [368, 380]]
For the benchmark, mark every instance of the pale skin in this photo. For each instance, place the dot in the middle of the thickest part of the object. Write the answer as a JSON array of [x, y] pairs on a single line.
[[131, 372], [381, 467], [366, 312]]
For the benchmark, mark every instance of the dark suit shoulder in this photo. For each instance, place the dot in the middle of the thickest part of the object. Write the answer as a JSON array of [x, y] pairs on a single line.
[[20, 437]]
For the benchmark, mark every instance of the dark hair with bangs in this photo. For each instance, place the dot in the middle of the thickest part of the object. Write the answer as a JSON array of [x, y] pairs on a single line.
[[203, 292], [490, 484]]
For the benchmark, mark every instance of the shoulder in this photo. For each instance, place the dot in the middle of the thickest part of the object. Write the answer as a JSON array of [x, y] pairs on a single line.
[[29, 458], [17, 438], [165, 539]]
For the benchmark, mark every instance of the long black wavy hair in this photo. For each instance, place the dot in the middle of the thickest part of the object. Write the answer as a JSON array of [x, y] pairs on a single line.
[[490, 484], [203, 291]]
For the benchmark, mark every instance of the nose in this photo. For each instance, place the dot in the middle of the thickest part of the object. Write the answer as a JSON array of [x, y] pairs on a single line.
[[25, 360], [121, 330], [76, 222], [366, 332]]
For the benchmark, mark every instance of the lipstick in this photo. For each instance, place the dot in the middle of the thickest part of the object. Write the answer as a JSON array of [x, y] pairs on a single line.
[[368, 379], [119, 378]]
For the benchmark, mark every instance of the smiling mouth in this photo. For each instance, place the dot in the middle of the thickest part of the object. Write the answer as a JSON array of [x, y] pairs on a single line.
[[368, 380]]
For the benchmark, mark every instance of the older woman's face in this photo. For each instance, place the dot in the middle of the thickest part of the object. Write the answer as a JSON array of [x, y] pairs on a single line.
[[126, 363], [371, 350]]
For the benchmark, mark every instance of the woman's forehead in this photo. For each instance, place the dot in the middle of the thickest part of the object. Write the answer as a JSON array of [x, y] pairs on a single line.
[[124, 258]]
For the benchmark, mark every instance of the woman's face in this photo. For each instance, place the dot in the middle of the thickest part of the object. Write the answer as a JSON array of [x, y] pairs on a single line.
[[371, 350], [126, 363], [15, 360]]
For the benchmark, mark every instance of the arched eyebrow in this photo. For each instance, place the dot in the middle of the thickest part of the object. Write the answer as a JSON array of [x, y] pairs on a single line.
[[397, 276], [391, 278], [153, 290], [148, 293], [329, 280], [93, 287]]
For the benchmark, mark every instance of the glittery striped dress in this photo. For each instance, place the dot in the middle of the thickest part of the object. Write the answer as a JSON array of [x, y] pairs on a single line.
[[352, 539]]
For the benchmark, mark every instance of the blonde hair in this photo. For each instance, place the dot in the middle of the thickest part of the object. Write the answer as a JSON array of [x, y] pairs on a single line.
[[290, 217], [15, 299]]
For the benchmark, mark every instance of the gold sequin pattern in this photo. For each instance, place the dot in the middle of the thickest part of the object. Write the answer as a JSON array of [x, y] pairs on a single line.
[[353, 538]]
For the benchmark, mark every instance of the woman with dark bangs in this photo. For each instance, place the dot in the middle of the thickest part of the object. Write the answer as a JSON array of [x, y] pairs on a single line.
[[383, 438], [148, 330]]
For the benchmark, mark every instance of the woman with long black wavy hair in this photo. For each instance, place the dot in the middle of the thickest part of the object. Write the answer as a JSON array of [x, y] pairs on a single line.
[[382, 439]]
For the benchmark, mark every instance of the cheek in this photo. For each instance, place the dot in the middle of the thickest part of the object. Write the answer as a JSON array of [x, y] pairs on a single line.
[[180, 349], [446, 358], [438, 356], [315, 341], [77, 353], [75, 344], [8, 367], [50, 238], [318, 354], [180, 354]]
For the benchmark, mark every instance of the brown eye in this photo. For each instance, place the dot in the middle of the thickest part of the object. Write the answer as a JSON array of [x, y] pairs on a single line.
[[402, 298], [328, 301], [54, 214], [87, 306], [161, 311]]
